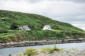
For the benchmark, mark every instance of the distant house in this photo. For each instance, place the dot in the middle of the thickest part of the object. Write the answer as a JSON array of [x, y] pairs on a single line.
[[47, 27], [24, 28]]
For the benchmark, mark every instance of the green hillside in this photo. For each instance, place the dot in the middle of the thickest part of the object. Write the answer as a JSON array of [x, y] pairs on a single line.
[[10, 21]]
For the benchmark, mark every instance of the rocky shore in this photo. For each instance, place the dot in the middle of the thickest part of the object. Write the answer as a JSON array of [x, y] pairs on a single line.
[[64, 53], [53, 52], [43, 42]]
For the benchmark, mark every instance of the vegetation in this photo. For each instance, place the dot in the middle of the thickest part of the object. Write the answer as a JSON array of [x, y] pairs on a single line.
[[60, 52], [10, 22], [50, 50], [33, 52], [30, 52], [10, 55]]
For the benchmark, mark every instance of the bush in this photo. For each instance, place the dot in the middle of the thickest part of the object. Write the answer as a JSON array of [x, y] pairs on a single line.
[[10, 55], [55, 48], [30, 52], [50, 50], [14, 26]]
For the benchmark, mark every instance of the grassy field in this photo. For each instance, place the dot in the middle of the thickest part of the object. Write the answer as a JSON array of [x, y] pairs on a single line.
[[10, 21]]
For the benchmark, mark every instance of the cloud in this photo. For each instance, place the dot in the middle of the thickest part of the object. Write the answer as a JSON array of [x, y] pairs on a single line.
[[76, 1], [79, 1], [35, 1], [82, 26], [71, 11]]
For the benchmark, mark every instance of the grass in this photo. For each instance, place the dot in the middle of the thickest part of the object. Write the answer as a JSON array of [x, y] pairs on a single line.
[[30, 52], [10, 55], [50, 50], [13, 20]]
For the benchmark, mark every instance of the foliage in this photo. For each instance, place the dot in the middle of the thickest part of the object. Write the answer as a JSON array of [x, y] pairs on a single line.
[[10, 55], [14, 26], [50, 50], [3, 31], [10, 22], [55, 48], [34, 21], [30, 52]]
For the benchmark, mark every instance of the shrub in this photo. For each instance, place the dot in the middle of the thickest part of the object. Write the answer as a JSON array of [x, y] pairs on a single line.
[[14, 26], [50, 50], [30, 52], [55, 48], [10, 55]]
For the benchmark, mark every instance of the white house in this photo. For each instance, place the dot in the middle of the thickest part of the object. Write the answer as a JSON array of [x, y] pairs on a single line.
[[24, 28], [47, 27]]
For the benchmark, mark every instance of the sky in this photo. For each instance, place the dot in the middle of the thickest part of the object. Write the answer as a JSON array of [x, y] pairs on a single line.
[[70, 11]]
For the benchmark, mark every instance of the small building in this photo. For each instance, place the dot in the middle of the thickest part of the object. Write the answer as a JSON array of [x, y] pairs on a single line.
[[24, 28], [47, 27]]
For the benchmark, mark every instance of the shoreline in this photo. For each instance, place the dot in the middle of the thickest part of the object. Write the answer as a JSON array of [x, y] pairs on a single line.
[[42, 42], [51, 52]]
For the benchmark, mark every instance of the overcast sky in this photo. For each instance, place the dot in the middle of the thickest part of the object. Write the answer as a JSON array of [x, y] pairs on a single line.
[[70, 11]]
